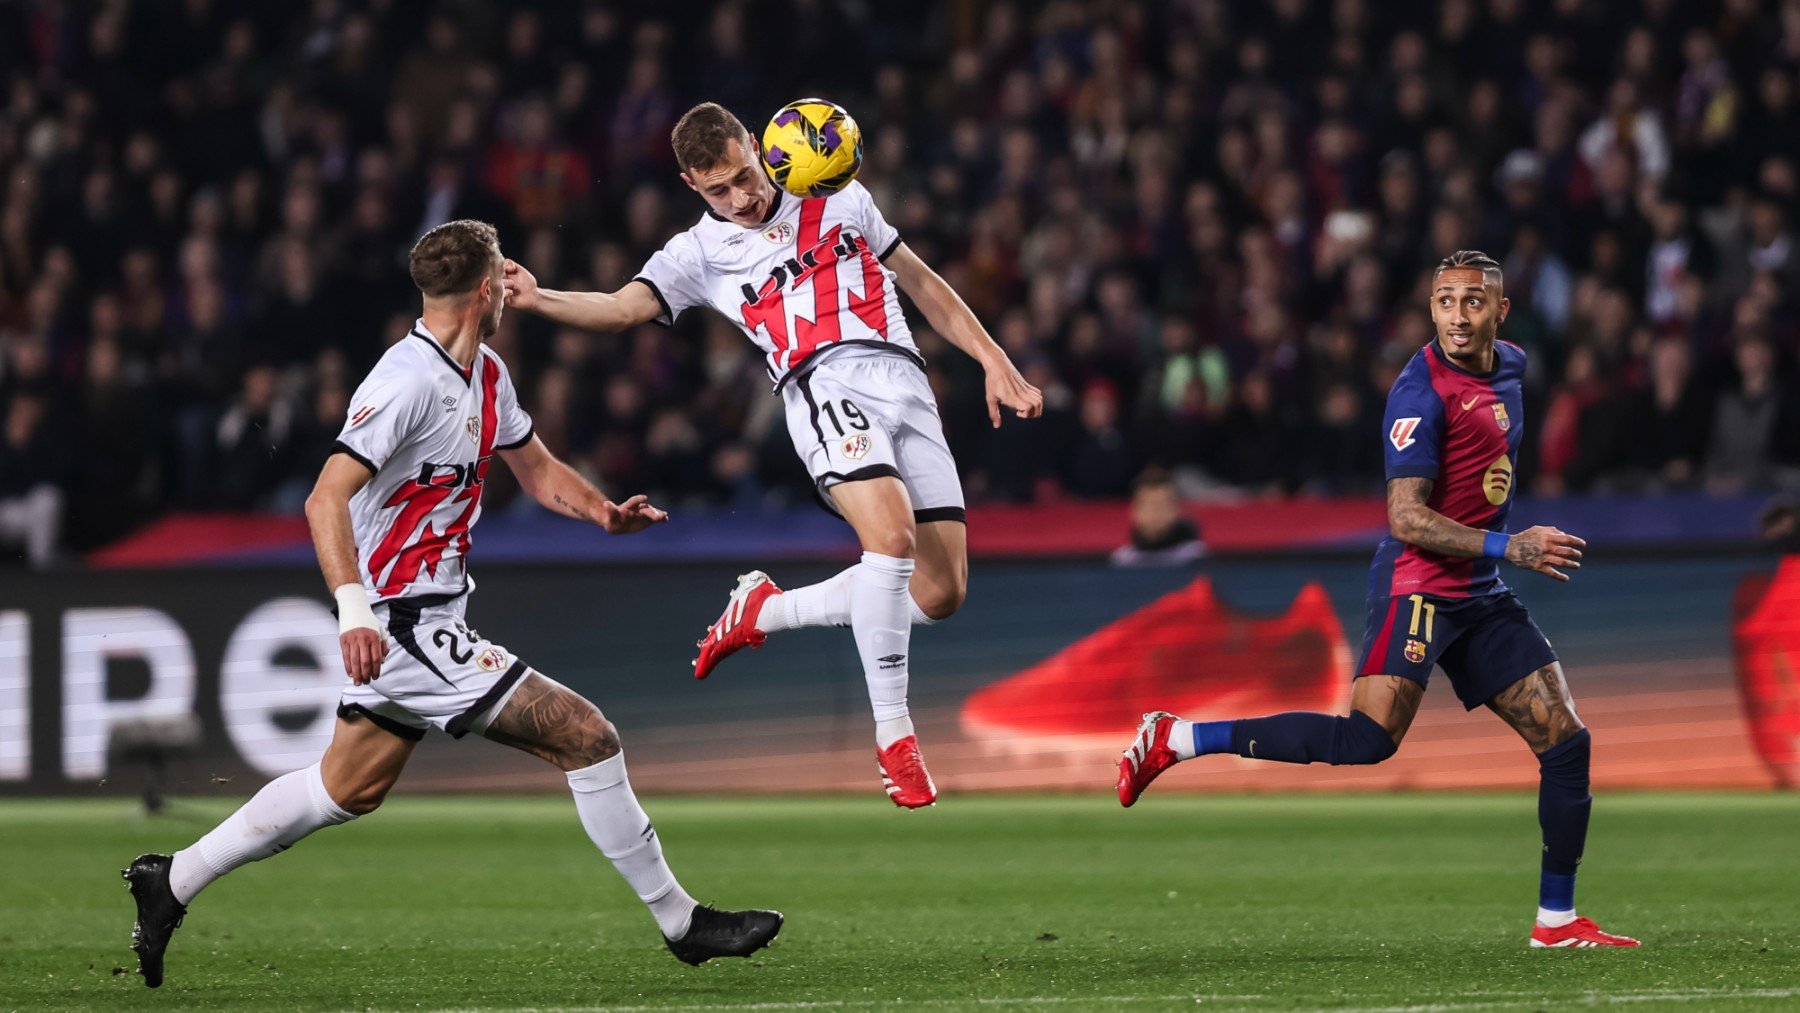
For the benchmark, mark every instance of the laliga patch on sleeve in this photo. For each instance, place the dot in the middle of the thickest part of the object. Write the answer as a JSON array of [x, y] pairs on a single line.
[[1401, 436], [361, 415]]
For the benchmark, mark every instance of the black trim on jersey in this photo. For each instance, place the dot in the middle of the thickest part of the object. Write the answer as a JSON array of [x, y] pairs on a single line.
[[351, 711], [895, 245], [932, 514], [427, 601], [664, 303], [340, 447], [801, 368], [862, 474], [521, 441], [403, 618], [468, 375], [459, 725]]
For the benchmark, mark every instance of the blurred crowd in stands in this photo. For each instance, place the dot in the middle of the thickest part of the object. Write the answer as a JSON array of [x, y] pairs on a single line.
[[1202, 227]]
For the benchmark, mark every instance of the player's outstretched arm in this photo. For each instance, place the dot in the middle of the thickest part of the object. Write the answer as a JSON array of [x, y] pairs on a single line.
[[1541, 549], [562, 489], [328, 516], [595, 311], [951, 317]]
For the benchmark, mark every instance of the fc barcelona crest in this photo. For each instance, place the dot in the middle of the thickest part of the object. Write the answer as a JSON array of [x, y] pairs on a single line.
[[1500, 418], [1415, 651]]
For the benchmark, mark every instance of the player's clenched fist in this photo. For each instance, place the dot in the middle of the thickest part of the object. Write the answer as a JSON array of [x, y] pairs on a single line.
[[521, 285], [1544, 549]]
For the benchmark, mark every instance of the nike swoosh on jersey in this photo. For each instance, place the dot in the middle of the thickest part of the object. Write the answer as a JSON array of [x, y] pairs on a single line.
[[1470, 403]]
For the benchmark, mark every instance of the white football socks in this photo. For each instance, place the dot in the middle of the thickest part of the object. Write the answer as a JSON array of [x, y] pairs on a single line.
[[892, 730], [919, 618], [1181, 739], [285, 810], [874, 598], [617, 825], [826, 603], [880, 618], [1554, 919]]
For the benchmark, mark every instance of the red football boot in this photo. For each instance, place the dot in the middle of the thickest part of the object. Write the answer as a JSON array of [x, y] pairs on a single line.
[[904, 776], [1581, 933], [736, 628], [1148, 756]]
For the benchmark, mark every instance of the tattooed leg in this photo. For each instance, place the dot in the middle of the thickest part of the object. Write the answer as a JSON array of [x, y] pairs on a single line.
[[1539, 708], [549, 720]]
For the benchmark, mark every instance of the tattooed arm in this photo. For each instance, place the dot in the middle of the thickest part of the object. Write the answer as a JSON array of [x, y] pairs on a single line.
[[560, 488], [1542, 549]]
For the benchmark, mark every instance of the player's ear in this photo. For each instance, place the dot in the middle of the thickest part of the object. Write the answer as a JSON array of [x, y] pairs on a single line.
[[689, 180], [1505, 304]]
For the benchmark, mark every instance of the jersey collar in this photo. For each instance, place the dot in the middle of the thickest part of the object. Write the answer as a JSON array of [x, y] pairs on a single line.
[[1438, 350], [421, 332]]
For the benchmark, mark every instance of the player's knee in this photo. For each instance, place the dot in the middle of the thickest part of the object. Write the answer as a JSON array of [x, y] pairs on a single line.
[[1362, 740], [598, 739], [942, 602], [1568, 760], [363, 798], [899, 543]]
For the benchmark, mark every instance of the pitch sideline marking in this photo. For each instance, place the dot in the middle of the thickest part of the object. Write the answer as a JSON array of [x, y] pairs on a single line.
[[1467, 1001]]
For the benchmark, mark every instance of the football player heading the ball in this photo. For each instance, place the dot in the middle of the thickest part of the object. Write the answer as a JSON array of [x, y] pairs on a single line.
[[809, 274]]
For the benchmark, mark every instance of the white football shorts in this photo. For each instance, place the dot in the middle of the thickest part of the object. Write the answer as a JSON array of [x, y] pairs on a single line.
[[859, 415], [437, 671]]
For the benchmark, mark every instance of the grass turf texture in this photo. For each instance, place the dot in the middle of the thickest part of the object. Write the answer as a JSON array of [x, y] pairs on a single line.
[[1259, 903]]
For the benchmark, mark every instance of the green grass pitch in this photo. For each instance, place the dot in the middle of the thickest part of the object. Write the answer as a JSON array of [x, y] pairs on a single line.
[[1414, 902]]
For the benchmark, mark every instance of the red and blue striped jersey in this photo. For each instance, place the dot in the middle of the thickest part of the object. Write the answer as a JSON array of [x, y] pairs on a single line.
[[1462, 430]]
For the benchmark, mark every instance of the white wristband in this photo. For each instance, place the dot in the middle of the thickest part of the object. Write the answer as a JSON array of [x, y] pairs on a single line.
[[354, 612]]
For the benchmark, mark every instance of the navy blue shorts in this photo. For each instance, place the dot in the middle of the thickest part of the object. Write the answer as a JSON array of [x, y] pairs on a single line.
[[1484, 644]]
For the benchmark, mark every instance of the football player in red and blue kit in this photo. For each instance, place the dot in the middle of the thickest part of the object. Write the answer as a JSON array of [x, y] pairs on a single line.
[[1453, 429]]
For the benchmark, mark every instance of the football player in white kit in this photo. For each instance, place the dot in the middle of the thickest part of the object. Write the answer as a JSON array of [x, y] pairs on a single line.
[[812, 281], [390, 518]]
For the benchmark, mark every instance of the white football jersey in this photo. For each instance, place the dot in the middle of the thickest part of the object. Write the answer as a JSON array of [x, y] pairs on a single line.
[[809, 278], [428, 431]]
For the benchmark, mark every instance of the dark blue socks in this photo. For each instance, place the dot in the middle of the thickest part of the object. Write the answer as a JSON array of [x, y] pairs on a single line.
[[1563, 807], [1298, 737]]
